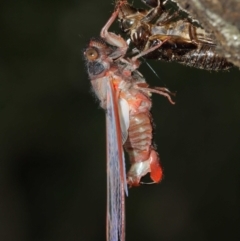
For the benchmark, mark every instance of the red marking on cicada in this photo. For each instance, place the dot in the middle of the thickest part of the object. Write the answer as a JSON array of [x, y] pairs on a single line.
[[125, 96], [156, 170]]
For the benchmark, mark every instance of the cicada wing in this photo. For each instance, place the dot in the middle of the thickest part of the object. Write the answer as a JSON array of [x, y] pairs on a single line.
[[116, 177]]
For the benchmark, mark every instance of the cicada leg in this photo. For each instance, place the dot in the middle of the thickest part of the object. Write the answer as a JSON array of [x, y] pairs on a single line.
[[157, 9], [157, 90], [112, 38], [151, 49]]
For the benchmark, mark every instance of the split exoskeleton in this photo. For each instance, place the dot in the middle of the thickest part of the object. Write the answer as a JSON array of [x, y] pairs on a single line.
[[187, 42]]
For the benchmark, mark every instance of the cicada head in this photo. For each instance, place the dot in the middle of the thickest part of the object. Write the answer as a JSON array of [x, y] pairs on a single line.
[[129, 17], [97, 58]]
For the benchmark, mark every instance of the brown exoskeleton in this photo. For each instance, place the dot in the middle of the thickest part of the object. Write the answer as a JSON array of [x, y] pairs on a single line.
[[187, 42]]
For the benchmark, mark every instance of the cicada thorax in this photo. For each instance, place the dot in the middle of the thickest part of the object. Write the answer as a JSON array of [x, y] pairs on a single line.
[[187, 43]]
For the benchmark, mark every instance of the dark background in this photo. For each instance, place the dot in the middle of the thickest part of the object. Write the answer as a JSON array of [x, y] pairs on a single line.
[[52, 137]]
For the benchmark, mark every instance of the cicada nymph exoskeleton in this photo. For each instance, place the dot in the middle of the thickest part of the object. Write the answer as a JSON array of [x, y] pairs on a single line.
[[188, 43]]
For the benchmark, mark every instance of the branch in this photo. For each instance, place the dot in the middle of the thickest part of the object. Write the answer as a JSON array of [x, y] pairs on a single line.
[[222, 17]]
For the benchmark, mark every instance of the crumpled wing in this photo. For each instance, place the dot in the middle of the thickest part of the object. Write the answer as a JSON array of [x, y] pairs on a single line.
[[116, 177]]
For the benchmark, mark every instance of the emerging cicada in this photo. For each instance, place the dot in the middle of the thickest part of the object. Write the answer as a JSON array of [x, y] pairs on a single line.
[[125, 96], [188, 43]]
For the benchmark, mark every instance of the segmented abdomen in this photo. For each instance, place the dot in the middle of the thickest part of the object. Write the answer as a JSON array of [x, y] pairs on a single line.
[[143, 157], [204, 57], [139, 137]]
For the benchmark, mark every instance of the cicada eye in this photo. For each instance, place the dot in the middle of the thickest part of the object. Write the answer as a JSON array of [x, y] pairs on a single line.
[[91, 54], [126, 25]]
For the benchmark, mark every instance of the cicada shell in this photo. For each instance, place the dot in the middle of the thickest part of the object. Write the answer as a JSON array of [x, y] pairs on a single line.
[[188, 43], [126, 98]]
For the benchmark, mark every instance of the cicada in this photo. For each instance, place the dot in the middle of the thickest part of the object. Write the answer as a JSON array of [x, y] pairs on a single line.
[[126, 98], [188, 43]]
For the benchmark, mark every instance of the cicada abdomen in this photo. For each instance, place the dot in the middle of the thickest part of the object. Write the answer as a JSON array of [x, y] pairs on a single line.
[[185, 42], [143, 156]]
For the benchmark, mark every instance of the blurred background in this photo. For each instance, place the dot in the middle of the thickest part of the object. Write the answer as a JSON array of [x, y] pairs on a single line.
[[52, 137]]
